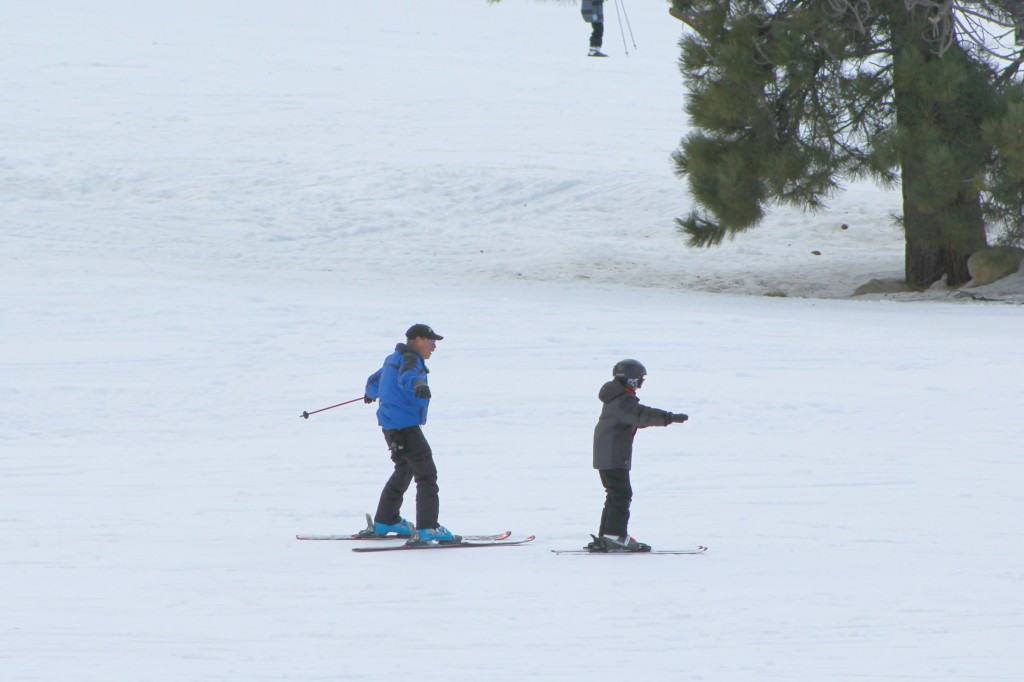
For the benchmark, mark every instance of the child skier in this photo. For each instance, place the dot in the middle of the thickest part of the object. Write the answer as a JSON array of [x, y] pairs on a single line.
[[621, 416]]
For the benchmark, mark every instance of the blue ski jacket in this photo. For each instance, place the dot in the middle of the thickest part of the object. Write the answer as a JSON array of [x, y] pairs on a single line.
[[394, 385]]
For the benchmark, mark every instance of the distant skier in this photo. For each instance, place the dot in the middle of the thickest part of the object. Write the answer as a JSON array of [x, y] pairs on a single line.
[[621, 416], [401, 386], [593, 14]]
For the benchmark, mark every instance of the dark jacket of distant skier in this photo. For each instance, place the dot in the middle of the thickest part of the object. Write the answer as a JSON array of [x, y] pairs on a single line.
[[621, 416], [592, 11], [395, 384]]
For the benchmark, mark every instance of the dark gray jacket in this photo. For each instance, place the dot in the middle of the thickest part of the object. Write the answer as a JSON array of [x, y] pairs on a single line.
[[621, 416], [592, 11]]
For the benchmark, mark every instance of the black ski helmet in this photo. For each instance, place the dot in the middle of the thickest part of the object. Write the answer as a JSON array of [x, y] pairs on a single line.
[[629, 372]]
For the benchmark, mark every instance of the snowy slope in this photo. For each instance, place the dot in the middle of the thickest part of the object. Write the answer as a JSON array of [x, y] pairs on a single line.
[[216, 215], [473, 135]]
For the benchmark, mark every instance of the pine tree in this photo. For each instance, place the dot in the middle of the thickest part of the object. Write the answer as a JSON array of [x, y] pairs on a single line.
[[788, 97]]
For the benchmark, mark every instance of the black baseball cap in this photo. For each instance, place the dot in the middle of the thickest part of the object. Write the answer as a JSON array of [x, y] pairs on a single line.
[[422, 330]]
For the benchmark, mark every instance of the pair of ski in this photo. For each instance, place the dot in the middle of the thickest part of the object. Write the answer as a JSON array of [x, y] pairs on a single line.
[[496, 540], [598, 547], [699, 549]]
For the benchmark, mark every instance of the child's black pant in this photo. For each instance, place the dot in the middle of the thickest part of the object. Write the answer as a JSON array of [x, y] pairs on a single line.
[[618, 495], [413, 460]]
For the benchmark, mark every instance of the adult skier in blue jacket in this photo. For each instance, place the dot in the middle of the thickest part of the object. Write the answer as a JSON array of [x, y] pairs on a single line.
[[401, 386]]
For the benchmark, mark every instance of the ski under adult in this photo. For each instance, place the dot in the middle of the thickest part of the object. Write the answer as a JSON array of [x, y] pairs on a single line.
[[463, 544], [356, 536], [368, 534]]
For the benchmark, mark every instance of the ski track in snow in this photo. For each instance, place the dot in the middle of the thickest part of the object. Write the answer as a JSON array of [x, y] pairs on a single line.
[[214, 216]]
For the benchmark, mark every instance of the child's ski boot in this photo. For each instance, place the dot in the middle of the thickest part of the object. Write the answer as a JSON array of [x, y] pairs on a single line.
[[596, 52], [620, 543]]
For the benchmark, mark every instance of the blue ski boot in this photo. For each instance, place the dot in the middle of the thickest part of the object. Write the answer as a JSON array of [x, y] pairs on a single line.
[[374, 529], [435, 536], [402, 529]]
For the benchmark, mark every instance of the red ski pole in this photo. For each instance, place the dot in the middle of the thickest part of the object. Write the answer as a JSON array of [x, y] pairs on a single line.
[[305, 415]]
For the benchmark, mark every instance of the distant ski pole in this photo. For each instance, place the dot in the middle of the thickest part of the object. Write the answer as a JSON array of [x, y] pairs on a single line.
[[305, 415], [621, 31], [628, 25]]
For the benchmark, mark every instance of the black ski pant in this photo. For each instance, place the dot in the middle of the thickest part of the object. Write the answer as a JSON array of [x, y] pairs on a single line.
[[413, 461], [593, 14], [618, 495]]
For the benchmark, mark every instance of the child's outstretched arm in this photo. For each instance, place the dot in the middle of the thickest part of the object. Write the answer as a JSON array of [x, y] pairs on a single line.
[[632, 412]]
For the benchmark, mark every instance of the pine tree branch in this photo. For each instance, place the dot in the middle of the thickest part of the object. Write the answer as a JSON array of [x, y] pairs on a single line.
[[700, 230], [976, 26], [948, 18], [859, 10], [1007, 74]]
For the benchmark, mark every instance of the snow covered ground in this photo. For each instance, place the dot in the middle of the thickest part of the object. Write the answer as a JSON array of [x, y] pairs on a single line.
[[216, 215]]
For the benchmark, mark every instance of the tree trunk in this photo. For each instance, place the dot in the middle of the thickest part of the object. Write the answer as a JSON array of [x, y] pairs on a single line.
[[923, 259], [940, 151], [940, 244]]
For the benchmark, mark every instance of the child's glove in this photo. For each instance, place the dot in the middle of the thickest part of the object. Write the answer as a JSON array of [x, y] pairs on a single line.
[[423, 391], [367, 399], [678, 418]]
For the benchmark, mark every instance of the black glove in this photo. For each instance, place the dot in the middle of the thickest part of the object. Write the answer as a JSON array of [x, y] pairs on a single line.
[[423, 391], [367, 399], [678, 418]]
